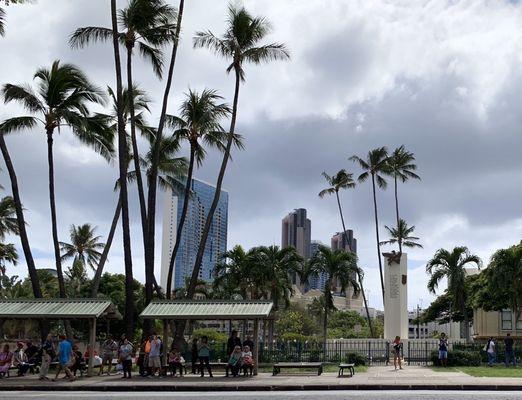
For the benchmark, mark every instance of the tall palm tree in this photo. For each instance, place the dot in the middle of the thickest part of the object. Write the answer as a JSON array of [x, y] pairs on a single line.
[[339, 266], [85, 246], [239, 44], [2, 13], [8, 222], [147, 25], [233, 273], [199, 125], [123, 165], [374, 166], [8, 254], [452, 266], [402, 235], [62, 96], [402, 165], [340, 181]]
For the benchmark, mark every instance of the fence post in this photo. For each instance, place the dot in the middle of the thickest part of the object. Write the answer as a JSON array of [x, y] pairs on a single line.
[[409, 353], [369, 352], [426, 355]]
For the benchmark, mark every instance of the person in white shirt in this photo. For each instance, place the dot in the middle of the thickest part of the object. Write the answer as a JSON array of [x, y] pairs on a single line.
[[490, 350]]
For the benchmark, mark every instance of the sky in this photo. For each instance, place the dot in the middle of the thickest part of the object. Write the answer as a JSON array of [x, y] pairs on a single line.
[[441, 77]]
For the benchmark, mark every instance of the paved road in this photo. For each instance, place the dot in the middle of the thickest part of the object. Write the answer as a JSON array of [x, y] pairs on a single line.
[[308, 395]]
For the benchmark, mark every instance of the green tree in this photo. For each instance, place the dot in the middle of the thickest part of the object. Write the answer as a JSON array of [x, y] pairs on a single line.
[[2, 13], [239, 44], [402, 235], [347, 325], [198, 123], [234, 273], [8, 222], [294, 321], [62, 96], [402, 168], [85, 246], [452, 266], [339, 267], [340, 181], [375, 166]]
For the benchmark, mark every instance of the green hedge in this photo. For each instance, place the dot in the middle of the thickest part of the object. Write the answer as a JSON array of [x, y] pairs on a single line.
[[458, 358], [354, 358]]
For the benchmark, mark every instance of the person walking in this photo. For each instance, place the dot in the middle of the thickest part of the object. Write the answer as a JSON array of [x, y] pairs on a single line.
[[510, 353], [65, 354], [443, 350], [125, 356], [194, 354], [109, 348], [491, 352], [204, 357], [46, 358], [232, 342], [397, 352], [155, 356]]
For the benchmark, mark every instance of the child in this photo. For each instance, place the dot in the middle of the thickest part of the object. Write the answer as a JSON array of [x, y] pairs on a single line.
[[234, 362], [247, 361], [204, 356], [175, 361]]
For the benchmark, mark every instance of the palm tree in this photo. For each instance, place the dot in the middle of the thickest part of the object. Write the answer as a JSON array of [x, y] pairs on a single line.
[[8, 254], [85, 246], [146, 25], [452, 266], [339, 266], [8, 221], [198, 124], [239, 44], [2, 13], [402, 236], [233, 273], [375, 164], [62, 96], [401, 167], [344, 180]]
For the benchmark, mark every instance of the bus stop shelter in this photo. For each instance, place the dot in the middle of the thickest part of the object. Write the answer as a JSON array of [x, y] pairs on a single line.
[[212, 310], [62, 309]]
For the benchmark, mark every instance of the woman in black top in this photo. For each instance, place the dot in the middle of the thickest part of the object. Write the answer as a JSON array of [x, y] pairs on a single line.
[[232, 342]]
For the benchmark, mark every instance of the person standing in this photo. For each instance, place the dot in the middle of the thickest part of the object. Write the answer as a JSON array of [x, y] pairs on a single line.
[[510, 353], [194, 354], [232, 342], [491, 352], [109, 347], [204, 357], [249, 342], [155, 356], [46, 362], [125, 357], [443, 350], [397, 352], [65, 354]]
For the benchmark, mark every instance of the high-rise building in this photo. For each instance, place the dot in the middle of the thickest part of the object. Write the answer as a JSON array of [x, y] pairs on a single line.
[[200, 201], [296, 232]]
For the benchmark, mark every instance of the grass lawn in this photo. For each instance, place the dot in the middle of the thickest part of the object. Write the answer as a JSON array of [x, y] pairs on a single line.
[[326, 368], [497, 371]]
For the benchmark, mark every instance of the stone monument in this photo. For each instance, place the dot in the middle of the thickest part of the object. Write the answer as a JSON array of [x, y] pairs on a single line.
[[395, 295]]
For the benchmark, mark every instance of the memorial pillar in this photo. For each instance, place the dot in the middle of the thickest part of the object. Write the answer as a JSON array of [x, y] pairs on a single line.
[[396, 295]]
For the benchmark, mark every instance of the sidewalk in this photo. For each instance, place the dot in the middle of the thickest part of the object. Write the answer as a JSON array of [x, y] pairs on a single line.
[[377, 378]]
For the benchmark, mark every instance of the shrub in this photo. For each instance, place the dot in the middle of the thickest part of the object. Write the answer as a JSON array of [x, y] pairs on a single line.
[[458, 358], [354, 358]]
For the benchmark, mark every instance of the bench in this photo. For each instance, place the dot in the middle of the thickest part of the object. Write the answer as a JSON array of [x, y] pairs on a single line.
[[349, 367], [297, 365], [165, 368]]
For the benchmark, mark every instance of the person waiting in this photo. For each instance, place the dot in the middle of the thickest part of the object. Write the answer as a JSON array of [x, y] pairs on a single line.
[[234, 361], [6, 358], [175, 361], [247, 362], [204, 356], [20, 359]]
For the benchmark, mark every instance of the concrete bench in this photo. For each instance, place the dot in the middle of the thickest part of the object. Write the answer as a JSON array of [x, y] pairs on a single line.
[[349, 367], [297, 365]]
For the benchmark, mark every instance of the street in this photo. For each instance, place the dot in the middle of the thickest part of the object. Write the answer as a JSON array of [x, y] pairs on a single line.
[[301, 395]]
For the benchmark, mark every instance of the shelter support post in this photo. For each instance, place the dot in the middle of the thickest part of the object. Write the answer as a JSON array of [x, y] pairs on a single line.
[[165, 342], [92, 341], [256, 345]]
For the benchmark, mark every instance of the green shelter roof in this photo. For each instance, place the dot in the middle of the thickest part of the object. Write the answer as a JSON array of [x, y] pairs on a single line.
[[58, 309], [207, 310]]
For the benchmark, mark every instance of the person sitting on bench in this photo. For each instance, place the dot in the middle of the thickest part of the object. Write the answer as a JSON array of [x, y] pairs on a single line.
[[175, 361], [5, 361], [79, 361], [247, 362], [20, 359], [234, 362]]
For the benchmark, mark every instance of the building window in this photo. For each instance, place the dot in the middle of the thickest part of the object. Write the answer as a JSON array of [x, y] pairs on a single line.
[[507, 320], [519, 322]]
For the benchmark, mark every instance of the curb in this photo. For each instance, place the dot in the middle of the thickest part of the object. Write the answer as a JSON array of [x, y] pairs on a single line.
[[258, 388]]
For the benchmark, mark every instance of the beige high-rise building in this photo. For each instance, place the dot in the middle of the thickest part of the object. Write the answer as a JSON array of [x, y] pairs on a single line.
[[296, 232]]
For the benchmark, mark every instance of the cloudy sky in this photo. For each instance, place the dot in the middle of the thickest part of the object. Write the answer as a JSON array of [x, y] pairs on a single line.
[[442, 77]]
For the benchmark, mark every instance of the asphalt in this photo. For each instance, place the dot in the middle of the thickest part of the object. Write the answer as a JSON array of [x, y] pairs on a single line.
[[377, 378]]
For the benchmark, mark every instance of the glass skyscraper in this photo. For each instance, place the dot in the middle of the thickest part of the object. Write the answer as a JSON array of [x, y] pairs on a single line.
[[199, 204]]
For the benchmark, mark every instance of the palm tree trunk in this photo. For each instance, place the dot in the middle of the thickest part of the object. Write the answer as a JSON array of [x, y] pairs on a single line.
[[327, 287], [56, 244], [103, 258], [397, 213], [20, 220], [151, 200], [135, 151], [122, 163], [217, 193], [181, 221], [377, 236], [359, 277]]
